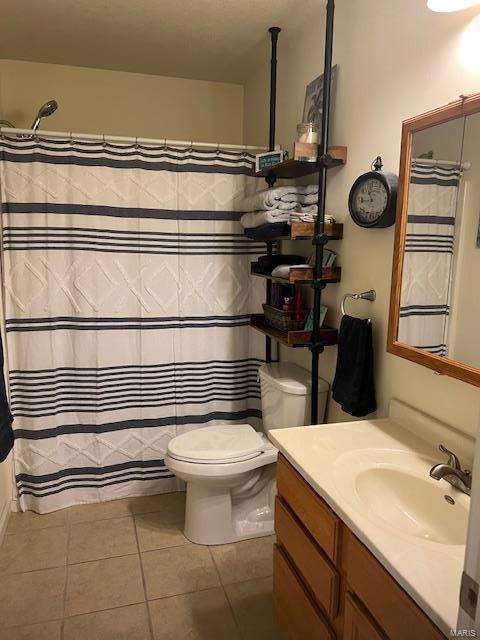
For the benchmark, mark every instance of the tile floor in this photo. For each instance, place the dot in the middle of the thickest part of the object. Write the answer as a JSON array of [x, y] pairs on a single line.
[[123, 570]]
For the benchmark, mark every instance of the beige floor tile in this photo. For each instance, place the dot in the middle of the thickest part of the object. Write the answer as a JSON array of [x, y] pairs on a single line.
[[244, 560], [165, 502], [41, 631], [32, 550], [204, 615], [99, 511], [103, 584], [252, 607], [160, 530], [29, 521], [170, 572], [125, 623], [101, 539], [32, 597]]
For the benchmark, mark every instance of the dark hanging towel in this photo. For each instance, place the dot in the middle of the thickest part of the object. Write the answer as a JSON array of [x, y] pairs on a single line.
[[6, 418], [354, 387]]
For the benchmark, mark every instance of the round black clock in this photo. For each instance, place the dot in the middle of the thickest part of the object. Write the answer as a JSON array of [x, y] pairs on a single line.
[[373, 197]]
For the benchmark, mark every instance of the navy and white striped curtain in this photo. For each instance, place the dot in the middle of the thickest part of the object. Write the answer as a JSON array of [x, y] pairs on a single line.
[[429, 244], [126, 292]]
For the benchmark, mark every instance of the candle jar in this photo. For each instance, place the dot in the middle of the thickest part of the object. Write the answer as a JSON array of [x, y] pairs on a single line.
[[307, 132]]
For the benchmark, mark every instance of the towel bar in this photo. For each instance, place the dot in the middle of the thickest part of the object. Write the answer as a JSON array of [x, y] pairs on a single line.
[[366, 295]]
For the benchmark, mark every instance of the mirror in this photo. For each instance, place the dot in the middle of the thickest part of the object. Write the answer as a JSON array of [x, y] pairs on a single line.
[[435, 299]]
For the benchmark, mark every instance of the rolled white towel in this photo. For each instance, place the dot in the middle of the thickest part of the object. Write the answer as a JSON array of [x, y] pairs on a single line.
[[299, 199], [257, 218], [270, 198]]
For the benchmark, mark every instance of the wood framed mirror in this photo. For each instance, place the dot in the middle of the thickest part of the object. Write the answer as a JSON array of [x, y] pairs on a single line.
[[435, 295]]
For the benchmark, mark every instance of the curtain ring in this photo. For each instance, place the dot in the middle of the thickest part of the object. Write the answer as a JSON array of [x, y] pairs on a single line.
[[136, 143], [104, 143], [165, 144], [190, 149], [218, 149]]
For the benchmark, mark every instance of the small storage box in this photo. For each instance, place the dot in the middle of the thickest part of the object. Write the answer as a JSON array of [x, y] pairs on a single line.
[[285, 320]]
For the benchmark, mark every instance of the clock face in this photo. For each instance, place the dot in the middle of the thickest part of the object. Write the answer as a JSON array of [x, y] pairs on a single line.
[[369, 200]]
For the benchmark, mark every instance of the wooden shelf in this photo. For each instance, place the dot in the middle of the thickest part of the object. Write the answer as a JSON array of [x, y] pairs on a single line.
[[297, 339], [299, 168], [330, 275], [302, 231], [305, 230]]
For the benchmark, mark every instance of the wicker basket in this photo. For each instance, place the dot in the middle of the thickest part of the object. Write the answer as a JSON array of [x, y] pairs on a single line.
[[284, 320]]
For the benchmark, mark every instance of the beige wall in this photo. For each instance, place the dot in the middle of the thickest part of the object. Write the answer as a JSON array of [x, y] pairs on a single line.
[[396, 59], [124, 104]]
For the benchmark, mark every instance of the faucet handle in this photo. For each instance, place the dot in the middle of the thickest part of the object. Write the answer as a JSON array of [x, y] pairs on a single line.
[[453, 461]]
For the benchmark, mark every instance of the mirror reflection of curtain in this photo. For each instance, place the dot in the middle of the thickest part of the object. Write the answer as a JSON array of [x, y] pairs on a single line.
[[427, 270]]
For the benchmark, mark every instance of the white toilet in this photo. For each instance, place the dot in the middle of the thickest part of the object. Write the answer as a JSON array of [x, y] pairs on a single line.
[[230, 469]]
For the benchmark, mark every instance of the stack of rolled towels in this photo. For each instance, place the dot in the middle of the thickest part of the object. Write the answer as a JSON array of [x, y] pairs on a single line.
[[280, 204]]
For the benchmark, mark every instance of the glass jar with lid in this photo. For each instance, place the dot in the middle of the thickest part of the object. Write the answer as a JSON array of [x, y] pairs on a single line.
[[308, 132]]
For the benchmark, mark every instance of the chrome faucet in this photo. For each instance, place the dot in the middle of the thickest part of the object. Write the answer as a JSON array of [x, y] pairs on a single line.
[[452, 472]]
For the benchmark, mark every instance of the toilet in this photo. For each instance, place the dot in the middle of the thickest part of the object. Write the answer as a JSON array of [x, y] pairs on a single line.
[[229, 469]]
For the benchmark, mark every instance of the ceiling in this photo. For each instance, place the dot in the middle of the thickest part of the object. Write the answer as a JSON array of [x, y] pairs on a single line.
[[201, 39]]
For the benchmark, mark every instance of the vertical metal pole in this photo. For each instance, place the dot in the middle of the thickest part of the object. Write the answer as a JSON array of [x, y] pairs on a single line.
[[274, 31], [319, 237]]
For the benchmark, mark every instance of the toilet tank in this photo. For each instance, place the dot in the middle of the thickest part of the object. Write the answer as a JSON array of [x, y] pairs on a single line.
[[286, 395]]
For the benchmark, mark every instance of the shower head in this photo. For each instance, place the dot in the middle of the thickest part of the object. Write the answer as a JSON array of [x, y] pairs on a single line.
[[45, 110]]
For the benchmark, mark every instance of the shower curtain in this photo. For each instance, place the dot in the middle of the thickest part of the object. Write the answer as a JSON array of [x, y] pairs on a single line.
[[427, 269], [126, 295]]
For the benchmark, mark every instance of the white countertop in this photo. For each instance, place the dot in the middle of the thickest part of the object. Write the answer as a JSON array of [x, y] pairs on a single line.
[[429, 571]]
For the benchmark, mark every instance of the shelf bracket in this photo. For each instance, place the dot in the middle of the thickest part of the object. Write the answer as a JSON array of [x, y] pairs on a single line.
[[317, 348], [320, 240]]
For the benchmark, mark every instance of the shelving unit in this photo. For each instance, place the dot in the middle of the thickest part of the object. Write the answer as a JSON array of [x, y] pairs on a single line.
[[319, 232], [290, 169], [298, 276], [294, 339]]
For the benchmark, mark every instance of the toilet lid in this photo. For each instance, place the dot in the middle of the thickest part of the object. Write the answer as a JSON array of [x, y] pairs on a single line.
[[222, 443]]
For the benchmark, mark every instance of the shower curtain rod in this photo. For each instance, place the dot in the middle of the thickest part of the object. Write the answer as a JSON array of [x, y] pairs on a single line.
[[127, 140], [465, 166]]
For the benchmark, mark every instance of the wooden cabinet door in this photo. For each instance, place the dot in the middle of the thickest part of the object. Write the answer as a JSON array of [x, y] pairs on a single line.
[[296, 615], [358, 625]]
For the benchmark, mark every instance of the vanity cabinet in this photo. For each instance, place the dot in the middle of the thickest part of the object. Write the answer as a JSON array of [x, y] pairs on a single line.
[[327, 585]]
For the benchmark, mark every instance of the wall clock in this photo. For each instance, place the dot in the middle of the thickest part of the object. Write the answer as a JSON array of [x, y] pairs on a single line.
[[373, 197]]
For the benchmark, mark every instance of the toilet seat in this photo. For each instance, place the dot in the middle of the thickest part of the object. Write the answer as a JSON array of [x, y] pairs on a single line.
[[218, 444]]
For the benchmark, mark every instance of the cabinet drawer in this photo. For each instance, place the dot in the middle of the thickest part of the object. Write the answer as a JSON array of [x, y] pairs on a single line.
[[358, 625], [319, 575], [296, 615], [394, 610], [310, 509]]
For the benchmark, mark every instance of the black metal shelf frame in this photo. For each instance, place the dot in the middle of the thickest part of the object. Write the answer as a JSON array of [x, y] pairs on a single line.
[[324, 162]]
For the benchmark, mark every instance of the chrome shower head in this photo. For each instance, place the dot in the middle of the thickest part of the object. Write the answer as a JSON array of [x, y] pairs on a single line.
[[45, 110]]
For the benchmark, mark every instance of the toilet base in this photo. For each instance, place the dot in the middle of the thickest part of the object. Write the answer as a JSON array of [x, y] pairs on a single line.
[[220, 515]]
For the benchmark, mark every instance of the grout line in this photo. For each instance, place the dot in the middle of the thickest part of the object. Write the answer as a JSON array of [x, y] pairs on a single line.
[[62, 626], [144, 582], [225, 593], [237, 625], [122, 555]]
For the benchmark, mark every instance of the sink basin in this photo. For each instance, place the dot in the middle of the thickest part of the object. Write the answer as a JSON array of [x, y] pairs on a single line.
[[394, 488], [416, 506]]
